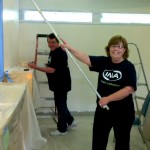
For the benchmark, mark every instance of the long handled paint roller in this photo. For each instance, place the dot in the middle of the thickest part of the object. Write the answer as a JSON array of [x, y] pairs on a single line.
[[45, 20]]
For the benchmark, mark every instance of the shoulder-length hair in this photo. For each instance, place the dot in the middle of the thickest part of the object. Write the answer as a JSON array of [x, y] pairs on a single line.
[[116, 40]]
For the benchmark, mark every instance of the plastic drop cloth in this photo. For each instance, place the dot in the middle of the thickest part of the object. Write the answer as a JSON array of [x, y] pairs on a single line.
[[10, 98], [20, 118], [18, 75]]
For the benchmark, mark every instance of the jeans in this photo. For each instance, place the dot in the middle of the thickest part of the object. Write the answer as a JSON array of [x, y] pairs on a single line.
[[64, 116]]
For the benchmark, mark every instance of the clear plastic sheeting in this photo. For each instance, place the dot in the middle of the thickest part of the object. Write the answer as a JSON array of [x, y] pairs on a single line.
[[35, 94], [18, 75], [19, 129], [9, 99], [34, 140]]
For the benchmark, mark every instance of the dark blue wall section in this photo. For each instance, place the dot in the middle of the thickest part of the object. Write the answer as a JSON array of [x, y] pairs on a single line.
[[1, 42]]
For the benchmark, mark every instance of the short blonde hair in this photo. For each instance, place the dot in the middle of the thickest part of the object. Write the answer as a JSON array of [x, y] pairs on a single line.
[[116, 40]]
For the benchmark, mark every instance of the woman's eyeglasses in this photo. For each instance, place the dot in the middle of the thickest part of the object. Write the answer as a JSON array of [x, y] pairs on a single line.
[[117, 46]]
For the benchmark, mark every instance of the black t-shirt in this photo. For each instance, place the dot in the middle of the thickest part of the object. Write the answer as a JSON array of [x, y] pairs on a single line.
[[60, 80], [113, 77]]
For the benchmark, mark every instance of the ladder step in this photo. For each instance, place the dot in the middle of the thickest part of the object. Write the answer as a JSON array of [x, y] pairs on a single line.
[[43, 53], [139, 97], [137, 63], [48, 98], [43, 82], [42, 35], [141, 84]]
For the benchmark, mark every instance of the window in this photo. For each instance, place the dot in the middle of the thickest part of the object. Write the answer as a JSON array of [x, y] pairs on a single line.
[[125, 18], [9, 15], [85, 17], [58, 16]]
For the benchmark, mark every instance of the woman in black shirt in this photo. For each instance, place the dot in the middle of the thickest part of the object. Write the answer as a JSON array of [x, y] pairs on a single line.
[[116, 83]]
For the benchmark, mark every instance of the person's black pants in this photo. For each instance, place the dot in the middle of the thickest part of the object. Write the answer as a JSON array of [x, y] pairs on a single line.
[[120, 122], [64, 116]]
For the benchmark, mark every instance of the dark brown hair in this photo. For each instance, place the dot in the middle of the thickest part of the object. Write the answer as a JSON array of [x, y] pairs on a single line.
[[52, 36], [116, 40]]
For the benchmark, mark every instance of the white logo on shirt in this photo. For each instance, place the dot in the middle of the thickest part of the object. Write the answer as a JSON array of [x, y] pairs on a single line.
[[112, 75], [49, 59]]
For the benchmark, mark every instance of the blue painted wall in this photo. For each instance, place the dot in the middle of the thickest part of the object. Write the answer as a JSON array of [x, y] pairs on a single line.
[[1, 42]]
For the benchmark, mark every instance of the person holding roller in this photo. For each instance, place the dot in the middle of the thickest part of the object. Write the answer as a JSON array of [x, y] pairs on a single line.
[[116, 83]]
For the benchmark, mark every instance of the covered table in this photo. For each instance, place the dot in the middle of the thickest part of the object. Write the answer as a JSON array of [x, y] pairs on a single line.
[[18, 75], [19, 129]]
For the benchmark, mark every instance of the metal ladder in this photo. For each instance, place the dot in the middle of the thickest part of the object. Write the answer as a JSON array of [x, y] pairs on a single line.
[[38, 52], [140, 84]]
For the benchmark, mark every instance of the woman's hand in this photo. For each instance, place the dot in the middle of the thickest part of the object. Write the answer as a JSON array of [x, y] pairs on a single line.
[[65, 45], [103, 101]]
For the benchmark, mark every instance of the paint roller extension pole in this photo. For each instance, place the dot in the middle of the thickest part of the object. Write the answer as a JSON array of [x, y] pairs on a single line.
[[68, 52]]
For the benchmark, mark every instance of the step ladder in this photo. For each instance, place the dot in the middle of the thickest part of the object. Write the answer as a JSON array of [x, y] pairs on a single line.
[[44, 51], [140, 72]]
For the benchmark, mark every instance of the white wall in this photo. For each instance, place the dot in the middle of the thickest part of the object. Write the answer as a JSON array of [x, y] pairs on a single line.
[[11, 26], [89, 38], [89, 5], [92, 39]]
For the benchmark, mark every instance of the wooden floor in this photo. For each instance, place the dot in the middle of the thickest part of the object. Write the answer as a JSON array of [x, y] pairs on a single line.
[[81, 137]]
